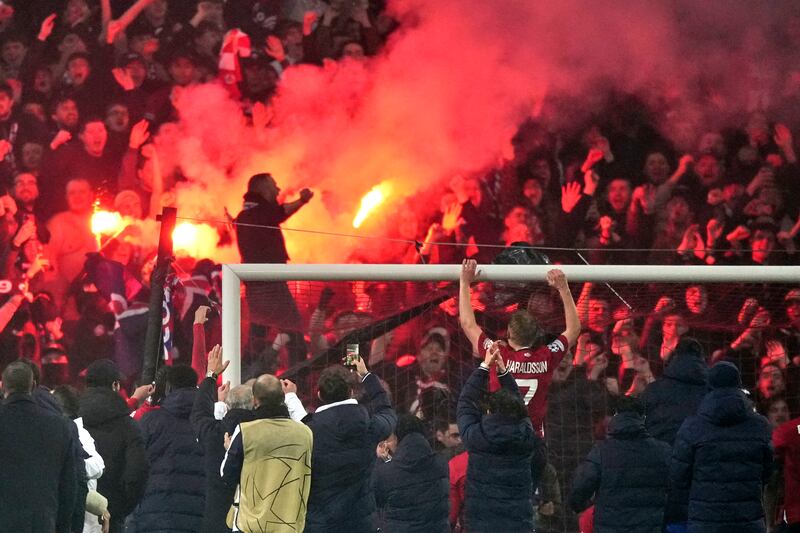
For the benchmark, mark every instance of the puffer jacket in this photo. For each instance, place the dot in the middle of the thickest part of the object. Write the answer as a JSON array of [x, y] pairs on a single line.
[[499, 480], [723, 456], [627, 474], [675, 396], [412, 489], [175, 496], [119, 442], [345, 437]]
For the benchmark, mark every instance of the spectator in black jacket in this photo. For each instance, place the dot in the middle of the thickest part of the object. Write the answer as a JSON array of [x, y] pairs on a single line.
[[38, 478], [118, 439], [625, 475], [670, 400], [412, 489], [210, 433], [723, 456], [345, 437], [270, 303], [673, 397], [501, 446], [175, 495]]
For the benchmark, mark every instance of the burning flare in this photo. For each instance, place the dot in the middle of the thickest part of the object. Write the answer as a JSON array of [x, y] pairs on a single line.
[[184, 237], [375, 197], [106, 222]]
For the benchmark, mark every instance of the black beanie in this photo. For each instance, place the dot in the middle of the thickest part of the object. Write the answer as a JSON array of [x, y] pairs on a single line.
[[724, 374], [102, 373]]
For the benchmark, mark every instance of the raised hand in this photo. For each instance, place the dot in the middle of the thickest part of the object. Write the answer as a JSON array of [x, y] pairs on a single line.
[[713, 231], [590, 182], [309, 18], [557, 279], [492, 353], [62, 137], [114, 28], [26, 231], [783, 136], [215, 363], [5, 148], [139, 134], [683, 165], [222, 392], [142, 392], [361, 367], [665, 303], [594, 155], [748, 310], [646, 195], [451, 218], [570, 196], [288, 386], [275, 49], [469, 271], [306, 195], [46, 29], [200, 315], [740, 233], [123, 79]]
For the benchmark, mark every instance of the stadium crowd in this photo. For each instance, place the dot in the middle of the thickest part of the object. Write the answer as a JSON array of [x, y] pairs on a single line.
[[86, 116]]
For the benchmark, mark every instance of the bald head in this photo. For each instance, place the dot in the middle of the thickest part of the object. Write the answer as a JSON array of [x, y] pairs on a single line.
[[267, 390]]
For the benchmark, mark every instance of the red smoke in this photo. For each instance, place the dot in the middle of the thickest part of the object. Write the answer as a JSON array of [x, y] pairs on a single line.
[[447, 93]]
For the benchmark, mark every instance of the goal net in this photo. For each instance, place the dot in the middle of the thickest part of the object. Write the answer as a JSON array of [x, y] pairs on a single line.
[[294, 320]]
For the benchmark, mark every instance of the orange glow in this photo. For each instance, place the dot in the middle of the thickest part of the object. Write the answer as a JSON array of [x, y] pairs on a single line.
[[106, 222], [195, 240], [184, 237], [375, 197]]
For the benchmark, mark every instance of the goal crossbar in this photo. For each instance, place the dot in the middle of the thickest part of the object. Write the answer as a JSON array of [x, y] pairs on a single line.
[[234, 274]]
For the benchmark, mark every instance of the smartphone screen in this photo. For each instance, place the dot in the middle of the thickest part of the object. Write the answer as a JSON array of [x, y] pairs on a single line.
[[351, 355]]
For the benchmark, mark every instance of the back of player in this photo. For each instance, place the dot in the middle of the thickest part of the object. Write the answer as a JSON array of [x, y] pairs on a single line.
[[531, 365]]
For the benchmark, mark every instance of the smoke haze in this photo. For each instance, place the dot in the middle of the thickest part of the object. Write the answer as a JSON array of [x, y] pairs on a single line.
[[448, 92]]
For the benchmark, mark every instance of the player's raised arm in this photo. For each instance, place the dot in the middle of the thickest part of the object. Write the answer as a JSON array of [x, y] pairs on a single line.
[[557, 280], [466, 315]]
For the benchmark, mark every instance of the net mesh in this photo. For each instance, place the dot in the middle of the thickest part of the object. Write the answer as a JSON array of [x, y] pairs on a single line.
[[409, 333]]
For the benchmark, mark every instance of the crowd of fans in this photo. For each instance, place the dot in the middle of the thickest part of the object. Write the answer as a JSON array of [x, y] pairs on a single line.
[[86, 115]]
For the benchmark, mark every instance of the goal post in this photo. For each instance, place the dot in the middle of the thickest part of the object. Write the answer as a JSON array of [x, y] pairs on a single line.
[[234, 274]]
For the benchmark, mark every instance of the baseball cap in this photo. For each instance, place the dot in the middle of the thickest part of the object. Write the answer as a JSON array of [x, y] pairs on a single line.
[[793, 294]]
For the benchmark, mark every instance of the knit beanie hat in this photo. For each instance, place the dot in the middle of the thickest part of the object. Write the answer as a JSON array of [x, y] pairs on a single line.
[[724, 374]]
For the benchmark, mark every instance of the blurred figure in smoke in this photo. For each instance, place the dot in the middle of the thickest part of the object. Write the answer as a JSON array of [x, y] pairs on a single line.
[[261, 241]]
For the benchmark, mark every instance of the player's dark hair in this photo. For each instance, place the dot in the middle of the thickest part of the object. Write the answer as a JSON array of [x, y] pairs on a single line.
[[335, 384]]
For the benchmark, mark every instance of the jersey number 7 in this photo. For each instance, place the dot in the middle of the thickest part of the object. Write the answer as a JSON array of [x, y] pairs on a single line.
[[531, 385]]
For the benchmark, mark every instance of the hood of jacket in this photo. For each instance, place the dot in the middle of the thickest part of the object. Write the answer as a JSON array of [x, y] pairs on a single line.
[[44, 399], [687, 368], [414, 453], [627, 426], [507, 432], [724, 407], [253, 199], [100, 405], [179, 402]]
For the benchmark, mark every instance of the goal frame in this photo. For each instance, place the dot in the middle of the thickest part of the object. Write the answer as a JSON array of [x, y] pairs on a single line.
[[234, 274]]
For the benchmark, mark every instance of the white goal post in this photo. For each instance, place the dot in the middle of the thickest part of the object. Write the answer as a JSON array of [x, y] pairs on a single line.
[[234, 274]]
